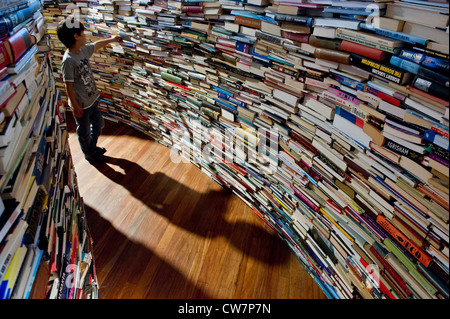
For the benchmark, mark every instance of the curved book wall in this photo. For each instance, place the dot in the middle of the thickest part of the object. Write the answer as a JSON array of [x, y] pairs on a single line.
[[309, 112], [45, 244]]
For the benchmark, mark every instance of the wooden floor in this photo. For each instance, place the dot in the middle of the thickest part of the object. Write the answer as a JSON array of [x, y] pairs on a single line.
[[166, 230]]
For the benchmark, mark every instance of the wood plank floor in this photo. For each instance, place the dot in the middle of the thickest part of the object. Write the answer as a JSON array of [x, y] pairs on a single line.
[[166, 230]]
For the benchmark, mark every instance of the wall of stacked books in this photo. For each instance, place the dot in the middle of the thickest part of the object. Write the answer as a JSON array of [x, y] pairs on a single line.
[[328, 118], [45, 245]]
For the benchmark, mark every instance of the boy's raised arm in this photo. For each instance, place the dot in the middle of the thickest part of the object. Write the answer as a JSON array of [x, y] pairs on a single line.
[[102, 43]]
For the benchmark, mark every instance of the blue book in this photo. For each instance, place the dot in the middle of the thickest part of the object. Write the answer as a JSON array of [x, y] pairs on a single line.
[[416, 57], [243, 47], [345, 114], [437, 64], [9, 22], [250, 14], [404, 64], [226, 93], [396, 35], [437, 139]]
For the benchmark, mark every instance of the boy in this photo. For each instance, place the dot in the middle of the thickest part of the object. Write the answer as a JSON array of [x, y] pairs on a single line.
[[80, 85]]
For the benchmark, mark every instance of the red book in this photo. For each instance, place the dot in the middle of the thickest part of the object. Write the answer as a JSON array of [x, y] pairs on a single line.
[[3, 73], [363, 50], [407, 243], [299, 37], [192, 9], [4, 56], [18, 44]]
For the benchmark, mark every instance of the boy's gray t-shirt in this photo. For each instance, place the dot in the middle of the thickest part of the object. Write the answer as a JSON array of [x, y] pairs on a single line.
[[77, 69]]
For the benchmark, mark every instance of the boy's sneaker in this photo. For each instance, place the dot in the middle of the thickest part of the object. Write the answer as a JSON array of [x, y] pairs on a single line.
[[101, 150], [96, 158]]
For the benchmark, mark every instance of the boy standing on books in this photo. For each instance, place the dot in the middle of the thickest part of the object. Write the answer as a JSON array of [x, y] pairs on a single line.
[[80, 85]]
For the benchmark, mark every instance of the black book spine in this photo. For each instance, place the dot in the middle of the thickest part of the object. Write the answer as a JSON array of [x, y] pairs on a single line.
[[433, 76], [402, 150], [431, 87], [390, 73], [438, 151]]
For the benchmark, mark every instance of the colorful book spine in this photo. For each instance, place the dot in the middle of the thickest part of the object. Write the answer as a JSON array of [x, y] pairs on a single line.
[[410, 246], [437, 139], [389, 73], [404, 64]]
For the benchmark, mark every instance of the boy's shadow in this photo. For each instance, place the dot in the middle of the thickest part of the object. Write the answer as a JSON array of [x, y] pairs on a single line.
[[201, 214], [127, 280]]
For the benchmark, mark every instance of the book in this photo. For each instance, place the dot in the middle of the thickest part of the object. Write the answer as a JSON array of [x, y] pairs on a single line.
[[10, 21], [363, 50], [426, 32], [332, 55], [19, 43], [425, 15], [437, 139], [387, 72], [11, 104], [431, 87]]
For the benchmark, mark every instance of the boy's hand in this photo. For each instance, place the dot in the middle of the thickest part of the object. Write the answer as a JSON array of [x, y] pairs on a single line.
[[77, 111], [115, 38]]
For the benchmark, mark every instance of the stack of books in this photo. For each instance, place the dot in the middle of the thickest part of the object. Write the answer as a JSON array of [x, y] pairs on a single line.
[[328, 118], [44, 238]]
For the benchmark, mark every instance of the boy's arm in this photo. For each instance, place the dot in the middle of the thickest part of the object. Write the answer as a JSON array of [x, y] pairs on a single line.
[[76, 108], [102, 43]]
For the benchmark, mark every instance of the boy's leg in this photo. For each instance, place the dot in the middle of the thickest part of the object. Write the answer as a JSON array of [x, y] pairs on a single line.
[[97, 122], [84, 134]]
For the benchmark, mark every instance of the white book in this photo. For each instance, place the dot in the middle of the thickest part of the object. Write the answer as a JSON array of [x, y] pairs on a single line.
[[337, 23], [351, 130], [392, 109], [415, 147], [427, 109]]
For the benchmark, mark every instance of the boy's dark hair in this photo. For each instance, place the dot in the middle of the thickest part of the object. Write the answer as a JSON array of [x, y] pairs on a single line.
[[67, 29]]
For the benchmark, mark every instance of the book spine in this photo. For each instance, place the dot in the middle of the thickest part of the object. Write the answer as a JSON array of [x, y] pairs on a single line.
[[369, 38], [348, 82], [392, 74], [4, 56], [6, 26], [437, 64], [363, 50], [303, 141], [409, 245], [436, 139], [269, 37], [302, 38], [383, 96], [249, 22], [439, 160], [402, 150], [346, 96], [432, 53], [404, 64], [441, 131], [432, 88], [412, 56], [391, 271], [332, 44], [368, 43], [412, 39], [433, 76], [307, 21], [192, 9], [305, 199], [350, 117], [171, 78], [332, 55]]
